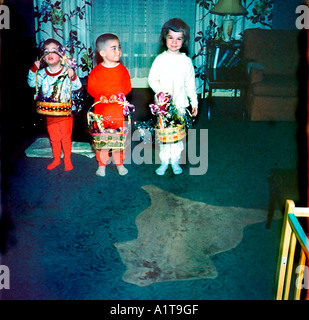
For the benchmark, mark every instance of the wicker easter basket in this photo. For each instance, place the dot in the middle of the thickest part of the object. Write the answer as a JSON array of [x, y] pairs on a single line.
[[47, 108], [106, 138], [57, 109], [170, 134], [171, 127]]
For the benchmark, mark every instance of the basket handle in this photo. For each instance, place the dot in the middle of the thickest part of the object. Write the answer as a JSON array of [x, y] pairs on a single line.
[[36, 74], [98, 103], [91, 114]]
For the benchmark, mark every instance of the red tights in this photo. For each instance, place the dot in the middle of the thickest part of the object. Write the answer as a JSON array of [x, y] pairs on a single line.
[[60, 132], [103, 157]]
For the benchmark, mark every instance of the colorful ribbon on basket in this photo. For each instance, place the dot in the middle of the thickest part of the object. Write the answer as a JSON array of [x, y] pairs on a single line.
[[162, 104], [120, 98]]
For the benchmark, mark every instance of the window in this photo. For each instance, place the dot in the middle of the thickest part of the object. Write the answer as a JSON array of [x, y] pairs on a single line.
[[138, 24]]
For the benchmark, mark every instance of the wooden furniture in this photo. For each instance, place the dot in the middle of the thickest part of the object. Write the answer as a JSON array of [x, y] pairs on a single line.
[[223, 68], [274, 65], [293, 234], [225, 79]]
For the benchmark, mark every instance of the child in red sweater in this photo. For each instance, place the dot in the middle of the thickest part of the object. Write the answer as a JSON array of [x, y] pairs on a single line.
[[107, 79]]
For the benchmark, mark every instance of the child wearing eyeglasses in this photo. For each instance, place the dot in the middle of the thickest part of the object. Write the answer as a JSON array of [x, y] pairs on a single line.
[[48, 80]]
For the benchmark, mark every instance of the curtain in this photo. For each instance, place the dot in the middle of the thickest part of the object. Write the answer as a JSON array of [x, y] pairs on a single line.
[[69, 22], [138, 25], [209, 26]]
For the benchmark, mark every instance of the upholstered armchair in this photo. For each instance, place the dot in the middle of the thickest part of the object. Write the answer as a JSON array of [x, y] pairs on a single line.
[[272, 60]]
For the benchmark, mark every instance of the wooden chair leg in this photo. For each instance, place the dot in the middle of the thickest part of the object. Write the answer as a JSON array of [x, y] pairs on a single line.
[[271, 205]]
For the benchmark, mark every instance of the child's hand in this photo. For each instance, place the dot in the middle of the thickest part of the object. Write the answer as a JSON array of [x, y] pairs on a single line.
[[194, 112], [37, 64], [71, 73]]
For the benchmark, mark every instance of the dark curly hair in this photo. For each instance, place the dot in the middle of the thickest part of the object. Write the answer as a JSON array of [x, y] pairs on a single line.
[[49, 41], [176, 25]]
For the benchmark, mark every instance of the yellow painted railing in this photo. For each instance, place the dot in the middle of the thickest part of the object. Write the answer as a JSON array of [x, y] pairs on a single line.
[[292, 234]]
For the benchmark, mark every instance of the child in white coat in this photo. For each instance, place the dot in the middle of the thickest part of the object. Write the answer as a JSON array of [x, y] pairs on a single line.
[[172, 72]]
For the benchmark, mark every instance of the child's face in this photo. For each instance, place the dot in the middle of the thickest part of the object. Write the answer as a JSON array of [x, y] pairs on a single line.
[[111, 53], [174, 41], [52, 58]]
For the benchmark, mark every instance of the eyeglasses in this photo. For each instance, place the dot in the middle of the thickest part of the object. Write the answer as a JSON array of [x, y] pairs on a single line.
[[53, 51]]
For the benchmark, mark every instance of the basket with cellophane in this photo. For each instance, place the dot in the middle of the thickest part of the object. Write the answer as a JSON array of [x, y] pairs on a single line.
[[109, 138], [171, 127]]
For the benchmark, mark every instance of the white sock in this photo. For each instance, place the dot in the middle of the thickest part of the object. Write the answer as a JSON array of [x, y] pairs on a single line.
[[176, 168], [122, 170], [101, 171], [162, 169]]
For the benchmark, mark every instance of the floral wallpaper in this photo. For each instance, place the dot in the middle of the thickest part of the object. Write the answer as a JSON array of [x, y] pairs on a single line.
[[260, 13], [69, 22]]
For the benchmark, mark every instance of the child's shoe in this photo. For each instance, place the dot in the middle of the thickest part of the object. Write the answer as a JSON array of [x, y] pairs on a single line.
[[162, 169], [68, 165], [122, 170], [53, 165], [176, 168], [67, 146], [101, 171]]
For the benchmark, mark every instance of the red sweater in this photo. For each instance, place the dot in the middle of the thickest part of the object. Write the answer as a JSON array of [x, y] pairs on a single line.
[[107, 81], [104, 81]]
